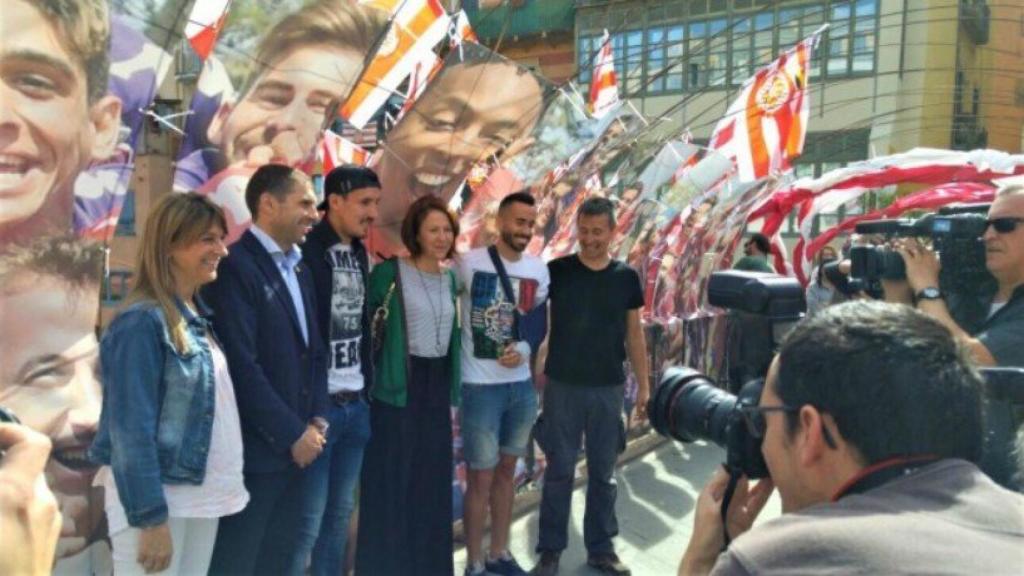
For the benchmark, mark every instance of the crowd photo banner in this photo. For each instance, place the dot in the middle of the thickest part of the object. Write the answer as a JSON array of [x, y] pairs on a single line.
[[79, 78], [265, 92], [476, 106]]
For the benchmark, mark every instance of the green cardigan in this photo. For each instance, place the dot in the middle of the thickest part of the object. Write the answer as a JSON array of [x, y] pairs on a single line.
[[389, 375]]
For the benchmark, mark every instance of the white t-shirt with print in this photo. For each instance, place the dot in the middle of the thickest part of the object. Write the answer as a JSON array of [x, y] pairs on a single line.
[[487, 316], [344, 370]]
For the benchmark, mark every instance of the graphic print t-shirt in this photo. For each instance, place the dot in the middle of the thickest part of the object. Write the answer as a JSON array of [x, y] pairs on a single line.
[[487, 315], [347, 295]]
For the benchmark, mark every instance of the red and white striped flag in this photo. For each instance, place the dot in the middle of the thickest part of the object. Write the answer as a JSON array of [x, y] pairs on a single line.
[[461, 30], [604, 85], [764, 128], [336, 150], [416, 27], [204, 24]]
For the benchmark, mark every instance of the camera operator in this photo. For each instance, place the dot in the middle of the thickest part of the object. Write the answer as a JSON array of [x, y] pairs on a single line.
[[870, 419], [1000, 341]]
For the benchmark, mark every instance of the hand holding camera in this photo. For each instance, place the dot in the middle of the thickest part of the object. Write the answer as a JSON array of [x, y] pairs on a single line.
[[708, 534], [29, 519]]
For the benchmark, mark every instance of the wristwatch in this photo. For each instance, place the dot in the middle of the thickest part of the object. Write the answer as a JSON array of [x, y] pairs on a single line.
[[929, 293]]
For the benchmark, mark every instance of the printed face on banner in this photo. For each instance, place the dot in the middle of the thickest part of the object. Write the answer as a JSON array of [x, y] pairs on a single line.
[[268, 101], [474, 107], [48, 373], [55, 114], [279, 118]]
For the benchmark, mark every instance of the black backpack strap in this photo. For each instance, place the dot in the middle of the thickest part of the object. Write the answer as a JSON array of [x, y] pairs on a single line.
[[506, 286]]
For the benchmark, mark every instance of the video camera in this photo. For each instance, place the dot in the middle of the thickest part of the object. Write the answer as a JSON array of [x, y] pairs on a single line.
[[955, 233]]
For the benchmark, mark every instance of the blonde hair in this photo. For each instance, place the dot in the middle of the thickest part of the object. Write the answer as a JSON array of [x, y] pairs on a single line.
[[177, 220]]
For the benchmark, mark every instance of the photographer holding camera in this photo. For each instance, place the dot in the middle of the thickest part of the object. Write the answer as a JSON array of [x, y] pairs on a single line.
[[29, 519], [1000, 340], [870, 420]]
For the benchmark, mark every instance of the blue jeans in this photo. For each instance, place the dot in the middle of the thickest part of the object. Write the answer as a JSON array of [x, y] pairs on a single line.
[[329, 490], [259, 539], [496, 418]]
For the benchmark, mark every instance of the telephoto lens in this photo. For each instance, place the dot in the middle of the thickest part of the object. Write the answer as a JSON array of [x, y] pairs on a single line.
[[687, 406]]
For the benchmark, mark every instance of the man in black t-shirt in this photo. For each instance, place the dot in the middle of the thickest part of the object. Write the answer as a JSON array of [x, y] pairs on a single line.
[[595, 322]]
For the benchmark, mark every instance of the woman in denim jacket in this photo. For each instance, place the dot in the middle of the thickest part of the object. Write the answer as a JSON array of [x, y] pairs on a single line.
[[169, 432]]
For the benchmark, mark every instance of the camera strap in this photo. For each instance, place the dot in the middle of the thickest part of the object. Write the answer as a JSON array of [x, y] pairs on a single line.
[[882, 472], [730, 490]]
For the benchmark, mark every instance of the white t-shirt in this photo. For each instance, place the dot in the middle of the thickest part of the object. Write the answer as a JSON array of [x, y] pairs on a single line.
[[222, 492], [344, 371], [487, 315]]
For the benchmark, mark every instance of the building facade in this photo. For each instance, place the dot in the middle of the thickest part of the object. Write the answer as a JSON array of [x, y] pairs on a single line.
[[888, 75]]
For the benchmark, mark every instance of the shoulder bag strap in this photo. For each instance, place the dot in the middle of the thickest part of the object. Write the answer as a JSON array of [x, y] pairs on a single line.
[[506, 286]]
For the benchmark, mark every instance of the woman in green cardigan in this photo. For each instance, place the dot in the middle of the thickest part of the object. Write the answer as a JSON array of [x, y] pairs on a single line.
[[406, 493]]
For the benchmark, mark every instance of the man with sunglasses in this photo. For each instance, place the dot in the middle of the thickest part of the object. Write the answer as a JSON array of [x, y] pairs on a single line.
[[1000, 341], [870, 421]]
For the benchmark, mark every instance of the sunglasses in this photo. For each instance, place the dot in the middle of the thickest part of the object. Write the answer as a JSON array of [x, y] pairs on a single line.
[[1003, 225]]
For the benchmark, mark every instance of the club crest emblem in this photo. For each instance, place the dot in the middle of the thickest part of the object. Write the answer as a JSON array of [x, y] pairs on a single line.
[[773, 94]]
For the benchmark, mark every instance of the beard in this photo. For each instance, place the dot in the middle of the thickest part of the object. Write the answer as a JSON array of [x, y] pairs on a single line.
[[512, 241]]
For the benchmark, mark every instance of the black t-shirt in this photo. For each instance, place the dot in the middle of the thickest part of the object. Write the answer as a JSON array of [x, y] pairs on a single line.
[[587, 344], [1003, 332]]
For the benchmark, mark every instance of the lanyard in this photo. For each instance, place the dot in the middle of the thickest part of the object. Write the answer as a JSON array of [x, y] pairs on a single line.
[[882, 472]]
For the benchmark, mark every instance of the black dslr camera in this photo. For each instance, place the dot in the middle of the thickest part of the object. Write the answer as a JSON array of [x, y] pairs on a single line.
[[688, 406]]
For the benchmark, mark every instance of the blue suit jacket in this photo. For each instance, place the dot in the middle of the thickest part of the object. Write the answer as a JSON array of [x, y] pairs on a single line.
[[280, 381]]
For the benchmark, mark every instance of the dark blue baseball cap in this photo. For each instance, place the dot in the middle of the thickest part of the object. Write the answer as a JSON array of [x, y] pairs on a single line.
[[346, 178]]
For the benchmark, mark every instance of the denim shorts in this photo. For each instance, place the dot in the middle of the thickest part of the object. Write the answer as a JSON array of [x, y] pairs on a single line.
[[496, 417]]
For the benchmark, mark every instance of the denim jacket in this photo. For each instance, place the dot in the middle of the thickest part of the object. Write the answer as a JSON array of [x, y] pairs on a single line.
[[157, 408]]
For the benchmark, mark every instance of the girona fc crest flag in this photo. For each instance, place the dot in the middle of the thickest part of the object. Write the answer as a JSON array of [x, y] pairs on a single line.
[[604, 86], [764, 128], [336, 150], [416, 27], [204, 24]]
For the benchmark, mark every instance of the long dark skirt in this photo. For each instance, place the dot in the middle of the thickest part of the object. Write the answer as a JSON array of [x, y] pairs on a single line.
[[405, 504]]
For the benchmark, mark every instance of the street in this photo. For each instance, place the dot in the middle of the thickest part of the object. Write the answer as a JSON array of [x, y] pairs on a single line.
[[657, 494]]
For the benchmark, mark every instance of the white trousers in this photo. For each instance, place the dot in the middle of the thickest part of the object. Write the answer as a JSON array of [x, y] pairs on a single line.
[[191, 544]]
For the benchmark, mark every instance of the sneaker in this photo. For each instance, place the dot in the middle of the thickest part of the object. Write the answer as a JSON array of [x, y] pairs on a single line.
[[609, 564], [548, 564], [477, 570], [504, 565]]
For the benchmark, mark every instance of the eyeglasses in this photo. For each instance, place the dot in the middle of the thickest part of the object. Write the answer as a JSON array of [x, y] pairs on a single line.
[[1003, 225], [753, 417]]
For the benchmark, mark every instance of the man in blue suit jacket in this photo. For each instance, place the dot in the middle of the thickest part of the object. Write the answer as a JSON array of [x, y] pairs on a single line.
[[265, 314]]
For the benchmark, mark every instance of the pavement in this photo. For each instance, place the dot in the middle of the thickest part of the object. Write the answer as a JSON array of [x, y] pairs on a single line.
[[659, 481]]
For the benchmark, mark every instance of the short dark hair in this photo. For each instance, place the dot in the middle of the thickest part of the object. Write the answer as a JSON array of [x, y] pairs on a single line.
[[277, 180], [894, 379], [598, 206], [76, 262], [761, 241], [521, 197], [414, 218]]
